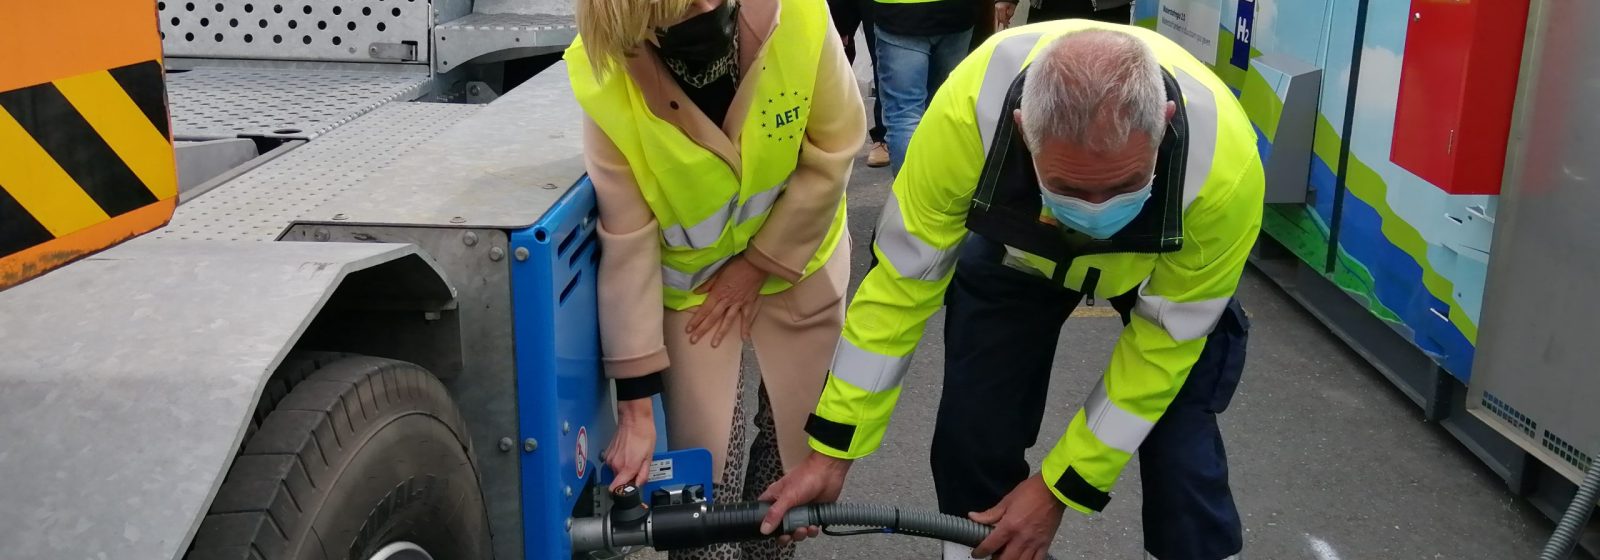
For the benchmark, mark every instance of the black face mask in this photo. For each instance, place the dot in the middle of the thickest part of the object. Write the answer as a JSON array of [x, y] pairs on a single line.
[[703, 38]]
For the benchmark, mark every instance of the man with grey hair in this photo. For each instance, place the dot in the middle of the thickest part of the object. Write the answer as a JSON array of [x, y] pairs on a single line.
[[1063, 162]]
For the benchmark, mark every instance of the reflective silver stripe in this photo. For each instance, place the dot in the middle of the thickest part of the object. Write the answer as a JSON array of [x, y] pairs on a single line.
[[701, 235], [997, 77], [708, 231], [911, 257], [1183, 320], [760, 203], [686, 281], [1200, 106], [868, 370], [1113, 426]]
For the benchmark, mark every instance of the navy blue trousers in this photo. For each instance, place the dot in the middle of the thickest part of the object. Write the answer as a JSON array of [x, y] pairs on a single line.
[[1001, 330]]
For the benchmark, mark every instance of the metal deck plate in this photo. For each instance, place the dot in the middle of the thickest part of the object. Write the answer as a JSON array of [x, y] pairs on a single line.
[[458, 42], [211, 103], [326, 30], [502, 168], [259, 205]]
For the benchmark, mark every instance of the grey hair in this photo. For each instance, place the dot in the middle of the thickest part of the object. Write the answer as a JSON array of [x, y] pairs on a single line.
[[1094, 88]]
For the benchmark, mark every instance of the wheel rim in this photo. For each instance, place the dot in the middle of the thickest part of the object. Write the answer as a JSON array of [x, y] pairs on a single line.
[[401, 551]]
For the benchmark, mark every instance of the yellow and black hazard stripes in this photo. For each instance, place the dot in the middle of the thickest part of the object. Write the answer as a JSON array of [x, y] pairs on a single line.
[[85, 162], [82, 149]]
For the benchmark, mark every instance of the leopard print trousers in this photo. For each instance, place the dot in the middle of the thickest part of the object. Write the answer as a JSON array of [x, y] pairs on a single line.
[[742, 483]]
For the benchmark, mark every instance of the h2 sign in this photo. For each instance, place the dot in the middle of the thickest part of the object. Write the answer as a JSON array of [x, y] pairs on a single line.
[[1241, 33]]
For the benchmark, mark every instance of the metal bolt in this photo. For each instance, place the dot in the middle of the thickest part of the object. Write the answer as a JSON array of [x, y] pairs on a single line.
[[530, 445], [569, 494], [321, 235], [496, 253], [340, 217], [1416, 16], [565, 427], [373, 50], [458, 220], [474, 91], [521, 253], [505, 444], [470, 239]]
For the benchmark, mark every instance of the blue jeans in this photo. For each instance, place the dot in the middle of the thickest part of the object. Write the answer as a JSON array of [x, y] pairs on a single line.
[[909, 69]]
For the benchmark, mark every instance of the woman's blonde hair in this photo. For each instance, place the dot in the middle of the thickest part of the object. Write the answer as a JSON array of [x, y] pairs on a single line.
[[611, 29]]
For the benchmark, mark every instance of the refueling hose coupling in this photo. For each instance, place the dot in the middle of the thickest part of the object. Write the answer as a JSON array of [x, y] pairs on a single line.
[[693, 525]]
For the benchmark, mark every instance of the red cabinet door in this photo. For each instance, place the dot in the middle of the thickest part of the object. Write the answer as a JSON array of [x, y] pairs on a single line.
[[1457, 86]]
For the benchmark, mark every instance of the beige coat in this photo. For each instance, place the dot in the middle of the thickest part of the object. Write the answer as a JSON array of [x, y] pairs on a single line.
[[797, 330]]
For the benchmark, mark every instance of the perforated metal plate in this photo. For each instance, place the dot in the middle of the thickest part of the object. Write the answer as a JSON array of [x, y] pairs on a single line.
[[341, 30], [462, 40], [261, 204], [210, 103]]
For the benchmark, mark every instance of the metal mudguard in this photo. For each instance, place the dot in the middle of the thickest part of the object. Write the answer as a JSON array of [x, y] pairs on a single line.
[[127, 381]]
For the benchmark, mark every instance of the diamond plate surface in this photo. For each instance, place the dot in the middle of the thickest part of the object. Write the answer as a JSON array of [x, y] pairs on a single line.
[[211, 103], [341, 30], [459, 41], [259, 205]]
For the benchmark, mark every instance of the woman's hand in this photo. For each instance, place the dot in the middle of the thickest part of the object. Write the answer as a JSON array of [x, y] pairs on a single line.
[[732, 296], [1003, 12], [635, 443]]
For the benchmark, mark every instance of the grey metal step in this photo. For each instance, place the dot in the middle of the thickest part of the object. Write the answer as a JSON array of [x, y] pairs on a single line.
[[210, 103], [460, 41], [259, 205], [501, 168]]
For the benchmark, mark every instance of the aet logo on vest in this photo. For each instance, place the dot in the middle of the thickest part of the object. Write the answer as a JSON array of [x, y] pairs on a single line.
[[787, 117]]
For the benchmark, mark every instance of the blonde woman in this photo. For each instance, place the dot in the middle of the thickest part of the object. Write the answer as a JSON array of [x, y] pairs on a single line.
[[719, 138]]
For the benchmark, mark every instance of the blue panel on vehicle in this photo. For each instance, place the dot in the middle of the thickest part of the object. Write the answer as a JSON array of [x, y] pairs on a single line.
[[684, 467], [561, 398]]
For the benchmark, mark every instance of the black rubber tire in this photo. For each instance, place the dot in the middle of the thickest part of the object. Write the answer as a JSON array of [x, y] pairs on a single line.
[[362, 453]]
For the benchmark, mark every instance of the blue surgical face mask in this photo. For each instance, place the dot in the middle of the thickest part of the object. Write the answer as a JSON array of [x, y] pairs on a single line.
[[1097, 220]]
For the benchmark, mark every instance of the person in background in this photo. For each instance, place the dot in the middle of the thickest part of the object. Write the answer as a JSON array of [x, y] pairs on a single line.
[[1109, 11], [848, 15], [719, 137], [919, 42]]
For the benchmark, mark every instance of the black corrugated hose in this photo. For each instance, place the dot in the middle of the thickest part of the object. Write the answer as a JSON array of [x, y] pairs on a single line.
[[693, 525], [887, 519]]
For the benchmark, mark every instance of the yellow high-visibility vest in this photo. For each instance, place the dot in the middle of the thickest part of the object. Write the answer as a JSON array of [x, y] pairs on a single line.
[[708, 213]]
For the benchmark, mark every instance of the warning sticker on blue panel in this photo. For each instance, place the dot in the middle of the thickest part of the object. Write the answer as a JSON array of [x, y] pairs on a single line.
[[660, 469]]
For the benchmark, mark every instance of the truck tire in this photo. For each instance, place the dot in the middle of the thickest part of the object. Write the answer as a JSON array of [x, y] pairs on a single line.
[[364, 455]]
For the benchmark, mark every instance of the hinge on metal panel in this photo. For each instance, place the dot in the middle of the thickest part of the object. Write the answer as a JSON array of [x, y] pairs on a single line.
[[403, 51]]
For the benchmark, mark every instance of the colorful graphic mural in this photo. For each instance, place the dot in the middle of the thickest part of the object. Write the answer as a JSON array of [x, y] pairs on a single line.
[[1414, 254]]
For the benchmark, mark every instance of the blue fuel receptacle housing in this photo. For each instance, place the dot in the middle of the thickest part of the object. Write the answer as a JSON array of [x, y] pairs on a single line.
[[564, 408], [564, 415]]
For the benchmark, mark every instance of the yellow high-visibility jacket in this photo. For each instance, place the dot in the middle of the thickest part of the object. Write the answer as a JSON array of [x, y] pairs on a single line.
[[1184, 254], [707, 213]]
